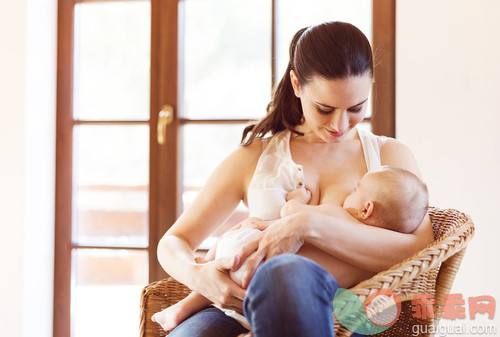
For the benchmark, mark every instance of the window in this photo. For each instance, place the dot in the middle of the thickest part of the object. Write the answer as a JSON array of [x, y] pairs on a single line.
[[120, 63]]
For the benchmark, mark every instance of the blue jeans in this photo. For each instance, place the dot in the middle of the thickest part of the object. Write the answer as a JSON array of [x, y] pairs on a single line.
[[288, 296], [210, 322]]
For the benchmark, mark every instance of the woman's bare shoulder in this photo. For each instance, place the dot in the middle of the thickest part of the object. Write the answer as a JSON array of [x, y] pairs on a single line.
[[395, 153], [241, 163], [250, 152]]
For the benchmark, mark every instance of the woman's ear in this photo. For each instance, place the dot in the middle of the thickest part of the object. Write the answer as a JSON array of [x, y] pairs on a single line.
[[295, 83]]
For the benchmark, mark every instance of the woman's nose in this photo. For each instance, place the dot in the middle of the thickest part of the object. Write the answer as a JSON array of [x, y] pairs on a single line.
[[340, 121]]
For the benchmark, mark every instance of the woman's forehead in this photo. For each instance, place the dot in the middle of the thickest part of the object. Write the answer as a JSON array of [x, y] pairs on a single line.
[[341, 92]]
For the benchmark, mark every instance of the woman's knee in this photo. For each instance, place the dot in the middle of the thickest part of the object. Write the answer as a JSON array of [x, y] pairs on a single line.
[[292, 272], [282, 266], [280, 290]]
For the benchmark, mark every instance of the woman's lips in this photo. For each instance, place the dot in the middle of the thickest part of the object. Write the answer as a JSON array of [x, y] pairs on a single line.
[[335, 134]]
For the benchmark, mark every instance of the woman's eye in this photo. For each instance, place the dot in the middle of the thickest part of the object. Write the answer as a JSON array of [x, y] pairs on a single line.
[[324, 112], [357, 109]]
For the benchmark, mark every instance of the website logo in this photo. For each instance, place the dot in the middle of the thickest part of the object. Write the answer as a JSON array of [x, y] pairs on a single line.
[[380, 311]]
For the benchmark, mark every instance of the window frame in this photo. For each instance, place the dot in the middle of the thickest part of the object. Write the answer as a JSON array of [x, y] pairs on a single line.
[[165, 195]]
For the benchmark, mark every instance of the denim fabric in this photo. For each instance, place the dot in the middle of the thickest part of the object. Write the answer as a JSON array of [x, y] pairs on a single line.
[[210, 322], [289, 295]]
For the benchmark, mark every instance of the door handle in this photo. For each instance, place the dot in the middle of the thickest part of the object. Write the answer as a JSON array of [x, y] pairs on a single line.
[[165, 117]]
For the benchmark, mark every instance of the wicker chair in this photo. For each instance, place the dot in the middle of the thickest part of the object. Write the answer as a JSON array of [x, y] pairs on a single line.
[[429, 271]]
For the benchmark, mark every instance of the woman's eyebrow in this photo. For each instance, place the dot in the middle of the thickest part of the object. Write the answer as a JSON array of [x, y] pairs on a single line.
[[332, 107]]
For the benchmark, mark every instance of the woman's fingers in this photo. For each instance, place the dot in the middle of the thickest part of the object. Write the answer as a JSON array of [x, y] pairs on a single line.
[[217, 286], [280, 238], [230, 290], [253, 262], [246, 251], [226, 263], [262, 224], [231, 297]]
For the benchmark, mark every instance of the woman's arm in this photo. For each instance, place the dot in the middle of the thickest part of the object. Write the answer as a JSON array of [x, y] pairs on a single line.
[[367, 247], [219, 197]]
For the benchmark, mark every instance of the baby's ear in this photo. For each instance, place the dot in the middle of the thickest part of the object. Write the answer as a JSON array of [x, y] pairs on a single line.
[[367, 210]]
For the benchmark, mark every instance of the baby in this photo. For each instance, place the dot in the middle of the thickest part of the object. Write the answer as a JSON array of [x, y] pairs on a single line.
[[390, 198]]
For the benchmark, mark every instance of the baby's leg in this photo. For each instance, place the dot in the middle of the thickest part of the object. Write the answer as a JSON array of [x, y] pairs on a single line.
[[172, 316]]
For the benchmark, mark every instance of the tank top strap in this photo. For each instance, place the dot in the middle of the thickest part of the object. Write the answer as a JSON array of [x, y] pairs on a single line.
[[371, 145]]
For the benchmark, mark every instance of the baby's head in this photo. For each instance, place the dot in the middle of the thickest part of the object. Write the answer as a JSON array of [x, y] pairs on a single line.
[[391, 198]]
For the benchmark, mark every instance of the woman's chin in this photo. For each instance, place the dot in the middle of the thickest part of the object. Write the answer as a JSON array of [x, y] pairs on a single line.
[[335, 137]]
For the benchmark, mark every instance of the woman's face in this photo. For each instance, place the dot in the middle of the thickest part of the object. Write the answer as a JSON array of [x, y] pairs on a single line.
[[332, 108]]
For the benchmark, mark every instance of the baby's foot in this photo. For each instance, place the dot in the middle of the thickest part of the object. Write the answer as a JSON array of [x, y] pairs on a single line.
[[170, 317]]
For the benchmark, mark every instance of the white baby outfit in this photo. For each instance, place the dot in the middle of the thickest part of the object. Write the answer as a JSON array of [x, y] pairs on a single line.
[[227, 246], [275, 176]]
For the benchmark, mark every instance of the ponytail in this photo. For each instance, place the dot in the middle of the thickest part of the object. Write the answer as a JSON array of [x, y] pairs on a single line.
[[284, 111]]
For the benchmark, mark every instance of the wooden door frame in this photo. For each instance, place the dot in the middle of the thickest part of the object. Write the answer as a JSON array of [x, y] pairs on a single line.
[[64, 144], [164, 158], [384, 88]]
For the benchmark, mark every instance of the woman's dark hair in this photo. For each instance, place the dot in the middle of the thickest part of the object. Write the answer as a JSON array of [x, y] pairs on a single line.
[[332, 50]]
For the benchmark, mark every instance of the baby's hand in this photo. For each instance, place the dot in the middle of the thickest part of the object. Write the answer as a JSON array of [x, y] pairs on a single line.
[[296, 200], [301, 194]]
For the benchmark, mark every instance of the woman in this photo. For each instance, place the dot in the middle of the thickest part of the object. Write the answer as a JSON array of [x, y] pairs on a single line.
[[302, 258]]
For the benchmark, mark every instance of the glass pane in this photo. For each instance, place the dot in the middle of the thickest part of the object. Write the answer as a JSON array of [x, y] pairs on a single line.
[[111, 183], [205, 147], [226, 58], [219, 141], [112, 60], [106, 287], [293, 15]]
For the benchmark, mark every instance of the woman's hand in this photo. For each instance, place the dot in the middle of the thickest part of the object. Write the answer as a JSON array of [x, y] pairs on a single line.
[[226, 293], [217, 286], [283, 236], [251, 222]]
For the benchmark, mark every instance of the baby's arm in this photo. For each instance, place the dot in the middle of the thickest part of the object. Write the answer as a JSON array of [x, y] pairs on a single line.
[[297, 202]]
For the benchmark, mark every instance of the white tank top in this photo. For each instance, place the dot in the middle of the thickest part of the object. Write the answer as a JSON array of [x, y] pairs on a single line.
[[277, 174]]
